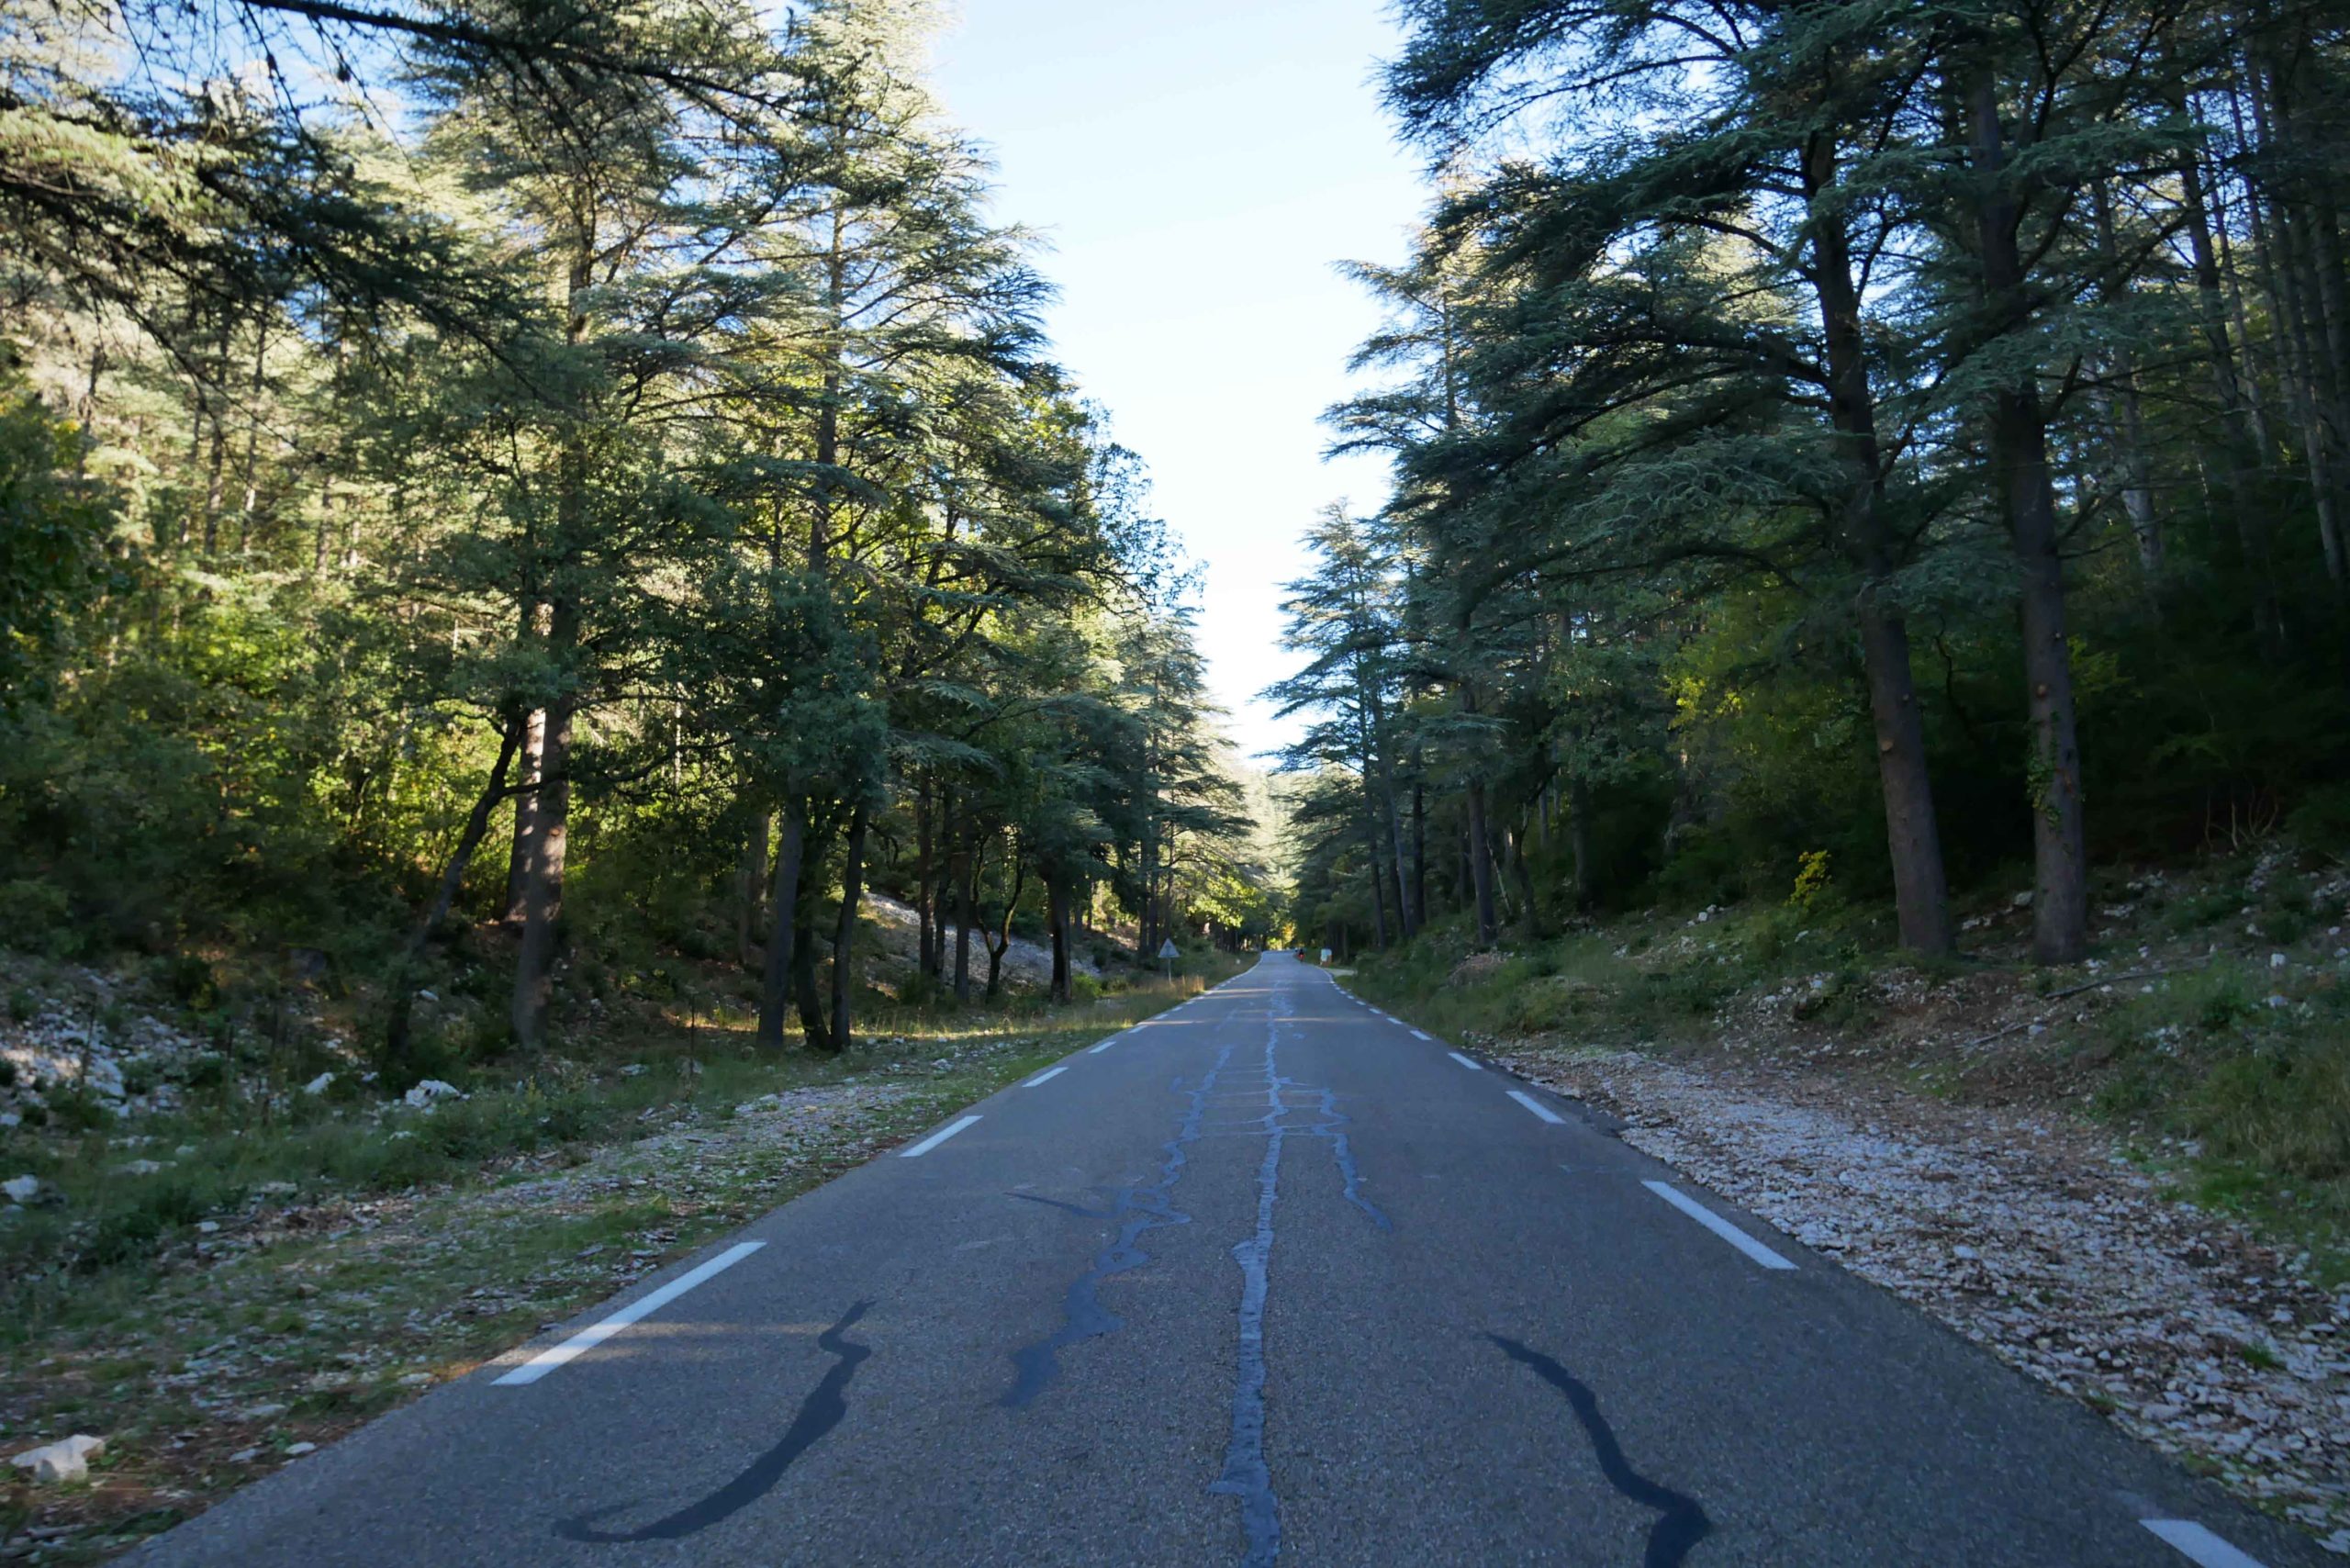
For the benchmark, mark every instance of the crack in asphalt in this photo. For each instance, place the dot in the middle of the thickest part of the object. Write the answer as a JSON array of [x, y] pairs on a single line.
[[1681, 1523], [820, 1412], [1138, 1210], [1247, 1474]]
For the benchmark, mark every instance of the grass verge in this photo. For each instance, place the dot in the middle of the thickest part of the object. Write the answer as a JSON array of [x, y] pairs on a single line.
[[278, 1284], [2210, 1029]]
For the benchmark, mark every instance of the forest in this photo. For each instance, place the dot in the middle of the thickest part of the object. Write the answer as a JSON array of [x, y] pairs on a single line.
[[531, 496], [575, 666], [1877, 455]]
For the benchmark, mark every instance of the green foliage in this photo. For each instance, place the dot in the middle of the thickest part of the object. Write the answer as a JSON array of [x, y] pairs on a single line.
[[35, 918], [2322, 821], [1738, 394], [2260, 1094], [1811, 880], [586, 453], [53, 526]]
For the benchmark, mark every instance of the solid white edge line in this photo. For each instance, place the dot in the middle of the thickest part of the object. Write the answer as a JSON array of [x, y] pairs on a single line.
[[1464, 1061], [1045, 1076], [2199, 1545], [934, 1139], [595, 1334], [1419, 1034], [1540, 1109], [1718, 1226]]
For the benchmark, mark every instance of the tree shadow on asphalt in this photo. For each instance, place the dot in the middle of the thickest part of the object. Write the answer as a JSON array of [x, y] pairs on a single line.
[[819, 1414], [1682, 1524]]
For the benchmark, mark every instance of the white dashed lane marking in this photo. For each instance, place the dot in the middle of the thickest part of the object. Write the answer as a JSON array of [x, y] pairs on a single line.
[[2199, 1545], [1718, 1226], [934, 1139], [1471, 1066], [1540, 1109], [595, 1334], [1045, 1076]]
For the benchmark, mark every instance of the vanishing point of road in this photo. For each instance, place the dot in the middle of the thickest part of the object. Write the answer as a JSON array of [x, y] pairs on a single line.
[[1270, 1278]]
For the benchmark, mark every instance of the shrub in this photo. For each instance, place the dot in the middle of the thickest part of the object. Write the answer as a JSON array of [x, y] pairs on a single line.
[[36, 917], [2322, 821], [1811, 880], [132, 1229]]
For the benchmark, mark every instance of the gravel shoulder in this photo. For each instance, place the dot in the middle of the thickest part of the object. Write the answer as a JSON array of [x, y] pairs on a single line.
[[2033, 1236]]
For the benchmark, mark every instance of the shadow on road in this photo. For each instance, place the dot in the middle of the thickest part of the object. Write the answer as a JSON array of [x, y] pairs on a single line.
[[819, 1414], [1682, 1523]]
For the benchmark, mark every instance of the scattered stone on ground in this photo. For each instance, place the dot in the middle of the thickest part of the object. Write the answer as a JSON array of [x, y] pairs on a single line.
[[66, 1461], [1027, 966], [2033, 1236]]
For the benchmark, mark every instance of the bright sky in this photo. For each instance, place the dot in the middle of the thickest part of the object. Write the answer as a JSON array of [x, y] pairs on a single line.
[[1198, 166]]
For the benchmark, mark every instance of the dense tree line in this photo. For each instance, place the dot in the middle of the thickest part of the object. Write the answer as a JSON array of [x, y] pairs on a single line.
[[1909, 436], [594, 469]]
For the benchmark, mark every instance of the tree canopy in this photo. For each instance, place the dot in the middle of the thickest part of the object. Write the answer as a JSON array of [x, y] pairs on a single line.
[[1905, 439], [589, 479]]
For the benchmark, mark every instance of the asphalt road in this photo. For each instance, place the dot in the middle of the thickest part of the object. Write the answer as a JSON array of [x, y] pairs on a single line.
[[1267, 1277]]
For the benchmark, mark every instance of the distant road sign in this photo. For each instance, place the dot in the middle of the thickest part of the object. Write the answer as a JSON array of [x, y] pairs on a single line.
[[1167, 950]]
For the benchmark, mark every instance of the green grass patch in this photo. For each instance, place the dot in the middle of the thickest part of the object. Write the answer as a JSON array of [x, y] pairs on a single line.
[[538, 1197]]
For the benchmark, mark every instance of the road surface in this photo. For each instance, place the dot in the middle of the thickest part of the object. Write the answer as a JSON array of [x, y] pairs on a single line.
[[1269, 1278]]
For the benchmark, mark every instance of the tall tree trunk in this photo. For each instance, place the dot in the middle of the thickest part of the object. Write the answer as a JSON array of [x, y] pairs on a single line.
[[1407, 919], [1480, 867], [2327, 241], [1419, 840], [326, 525], [1579, 838], [1379, 780], [453, 875], [1001, 942], [828, 406], [550, 813], [1377, 880], [1481, 856], [248, 485], [926, 953], [845, 932], [960, 868], [2310, 258], [1521, 877], [2019, 466], [2252, 522], [815, 1029], [1057, 916], [542, 892], [783, 930], [1913, 842], [214, 469], [526, 817], [2282, 247], [2244, 441], [1146, 918], [2124, 418], [748, 877]]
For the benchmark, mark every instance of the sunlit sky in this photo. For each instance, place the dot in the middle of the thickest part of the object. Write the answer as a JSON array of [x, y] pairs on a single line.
[[1196, 169]]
